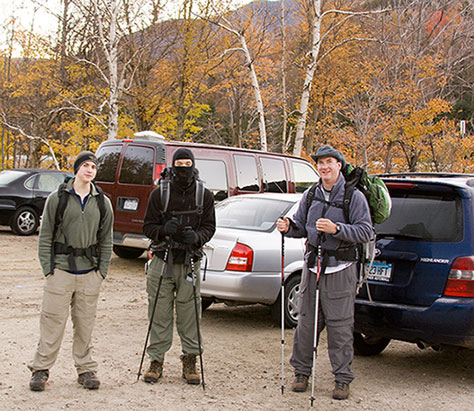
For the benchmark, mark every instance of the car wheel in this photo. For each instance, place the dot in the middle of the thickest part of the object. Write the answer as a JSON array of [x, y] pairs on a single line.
[[366, 345], [292, 290], [128, 252], [206, 303], [25, 221]]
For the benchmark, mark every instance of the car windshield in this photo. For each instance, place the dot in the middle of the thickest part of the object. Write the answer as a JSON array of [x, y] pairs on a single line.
[[256, 214], [7, 176]]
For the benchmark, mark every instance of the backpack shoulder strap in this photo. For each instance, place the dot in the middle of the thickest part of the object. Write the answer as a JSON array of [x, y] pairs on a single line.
[[164, 193], [199, 196], [353, 180], [101, 204], [310, 198], [63, 196]]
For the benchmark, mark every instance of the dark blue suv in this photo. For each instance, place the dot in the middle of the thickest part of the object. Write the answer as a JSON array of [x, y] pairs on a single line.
[[421, 285]]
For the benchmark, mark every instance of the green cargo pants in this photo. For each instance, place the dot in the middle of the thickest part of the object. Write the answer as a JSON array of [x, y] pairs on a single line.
[[176, 291]]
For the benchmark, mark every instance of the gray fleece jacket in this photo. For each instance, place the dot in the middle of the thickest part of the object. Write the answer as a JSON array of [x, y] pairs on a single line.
[[357, 230]]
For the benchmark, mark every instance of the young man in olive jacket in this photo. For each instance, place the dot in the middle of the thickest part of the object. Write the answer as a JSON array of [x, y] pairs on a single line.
[[324, 224], [75, 258], [178, 229]]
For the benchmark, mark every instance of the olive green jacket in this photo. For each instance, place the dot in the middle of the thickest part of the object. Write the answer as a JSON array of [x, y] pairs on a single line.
[[78, 230]]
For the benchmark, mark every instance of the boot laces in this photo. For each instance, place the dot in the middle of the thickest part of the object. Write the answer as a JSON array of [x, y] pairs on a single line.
[[300, 378]]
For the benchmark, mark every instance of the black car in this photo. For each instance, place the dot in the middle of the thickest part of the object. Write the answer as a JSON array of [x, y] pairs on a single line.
[[23, 193]]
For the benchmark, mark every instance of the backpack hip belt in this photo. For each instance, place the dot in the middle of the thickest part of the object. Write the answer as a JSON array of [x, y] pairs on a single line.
[[347, 253], [89, 252]]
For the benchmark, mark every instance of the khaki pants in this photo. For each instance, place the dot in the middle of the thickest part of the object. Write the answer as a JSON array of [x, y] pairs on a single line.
[[175, 291], [63, 290]]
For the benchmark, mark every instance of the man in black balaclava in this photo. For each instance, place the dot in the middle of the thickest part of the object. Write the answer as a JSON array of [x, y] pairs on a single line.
[[181, 229], [183, 168]]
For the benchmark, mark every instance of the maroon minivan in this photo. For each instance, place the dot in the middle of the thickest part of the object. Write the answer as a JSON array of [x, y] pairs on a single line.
[[129, 170]]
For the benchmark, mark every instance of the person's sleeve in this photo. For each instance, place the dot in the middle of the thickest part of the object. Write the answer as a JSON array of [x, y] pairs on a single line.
[[207, 227], [45, 239], [106, 238], [153, 222], [360, 229]]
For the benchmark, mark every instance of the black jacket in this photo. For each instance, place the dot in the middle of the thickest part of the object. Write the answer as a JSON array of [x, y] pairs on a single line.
[[180, 200]]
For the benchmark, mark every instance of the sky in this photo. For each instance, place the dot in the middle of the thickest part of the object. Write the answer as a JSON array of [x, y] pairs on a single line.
[[44, 22]]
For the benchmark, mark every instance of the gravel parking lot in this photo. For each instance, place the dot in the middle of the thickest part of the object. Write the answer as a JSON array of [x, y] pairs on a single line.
[[241, 359]]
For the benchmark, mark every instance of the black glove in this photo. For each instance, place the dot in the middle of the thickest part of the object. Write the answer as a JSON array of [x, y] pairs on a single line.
[[189, 236], [171, 227]]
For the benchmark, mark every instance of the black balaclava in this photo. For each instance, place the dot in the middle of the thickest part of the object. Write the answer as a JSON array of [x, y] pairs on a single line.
[[183, 176]]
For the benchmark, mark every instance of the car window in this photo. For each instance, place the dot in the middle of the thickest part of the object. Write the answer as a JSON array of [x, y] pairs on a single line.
[[274, 177], [426, 217], [8, 176], [50, 181], [257, 214], [305, 175], [137, 166], [108, 158], [214, 175], [247, 174]]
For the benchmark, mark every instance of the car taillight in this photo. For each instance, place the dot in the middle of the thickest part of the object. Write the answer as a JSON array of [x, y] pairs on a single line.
[[241, 258], [461, 278], [158, 169]]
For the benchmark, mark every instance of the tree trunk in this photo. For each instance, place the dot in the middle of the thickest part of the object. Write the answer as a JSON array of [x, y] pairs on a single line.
[[305, 95]]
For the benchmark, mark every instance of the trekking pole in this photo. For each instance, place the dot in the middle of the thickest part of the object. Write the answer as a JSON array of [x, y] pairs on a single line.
[[316, 310], [165, 262], [193, 273], [282, 313]]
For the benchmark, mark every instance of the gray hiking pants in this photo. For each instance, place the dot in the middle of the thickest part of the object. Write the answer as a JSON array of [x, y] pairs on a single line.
[[175, 293], [336, 313]]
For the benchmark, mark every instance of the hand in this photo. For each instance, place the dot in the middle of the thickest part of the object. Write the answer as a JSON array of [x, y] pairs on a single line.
[[171, 227], [189, 236], [283, 224], [326, 226]]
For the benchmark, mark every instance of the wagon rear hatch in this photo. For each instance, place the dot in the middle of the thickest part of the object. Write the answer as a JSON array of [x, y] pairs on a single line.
[[418, 243]]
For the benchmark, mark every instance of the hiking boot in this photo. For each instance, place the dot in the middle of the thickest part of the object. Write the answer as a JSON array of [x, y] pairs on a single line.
[[88, 380], [341, 391], [300, 384], [38, 380], [189, 369], [153, 373]]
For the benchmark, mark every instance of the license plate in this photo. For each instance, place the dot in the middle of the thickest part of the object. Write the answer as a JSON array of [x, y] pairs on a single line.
[[130, 204], [380, 271]]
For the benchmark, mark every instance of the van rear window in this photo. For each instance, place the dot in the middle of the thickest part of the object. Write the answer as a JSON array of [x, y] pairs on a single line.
[[137, 166], [108, 157]]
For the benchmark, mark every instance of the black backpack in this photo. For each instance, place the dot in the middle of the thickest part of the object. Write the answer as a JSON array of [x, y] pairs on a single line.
[[59, 248], [164, 185]]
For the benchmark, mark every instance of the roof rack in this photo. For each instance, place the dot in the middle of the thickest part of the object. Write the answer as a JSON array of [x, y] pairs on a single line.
[[417, 174]]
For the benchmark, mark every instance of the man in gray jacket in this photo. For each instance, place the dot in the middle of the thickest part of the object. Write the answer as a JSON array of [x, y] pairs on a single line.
[[75, 257], [324, 224]]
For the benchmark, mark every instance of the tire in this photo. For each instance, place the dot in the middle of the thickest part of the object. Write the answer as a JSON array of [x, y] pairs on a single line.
[[292, 287], [25, 221], [206, 303], [365, 345], [128, 252]]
